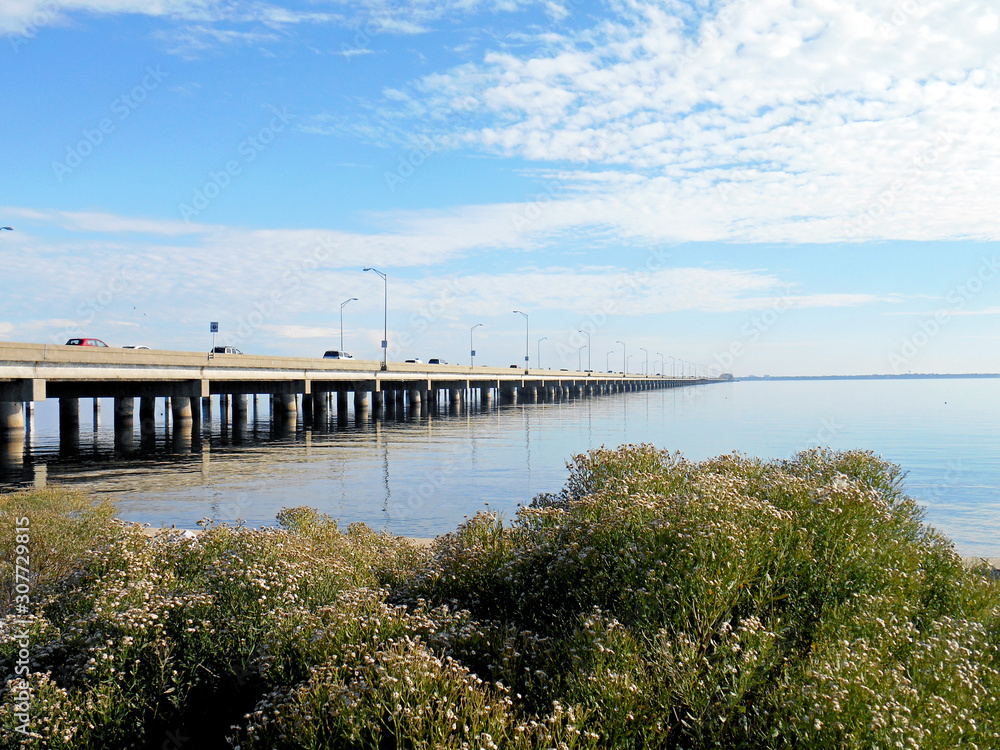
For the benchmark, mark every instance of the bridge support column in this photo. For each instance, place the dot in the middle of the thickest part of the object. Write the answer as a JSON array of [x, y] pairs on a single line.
[[180, 409], [239, 411], [320, 399], [360, 400], [455, 395], [341, 403], [206, 409], [97, 413], [124, 423], [11, 440], [378, 399], [415, 396], [147, 423], [485, 395]]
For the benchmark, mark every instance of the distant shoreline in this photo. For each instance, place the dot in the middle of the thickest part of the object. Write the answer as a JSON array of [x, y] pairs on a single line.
[[914, 376]]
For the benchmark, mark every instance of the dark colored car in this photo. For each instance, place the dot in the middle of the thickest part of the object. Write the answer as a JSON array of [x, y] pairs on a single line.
[[86, 342]]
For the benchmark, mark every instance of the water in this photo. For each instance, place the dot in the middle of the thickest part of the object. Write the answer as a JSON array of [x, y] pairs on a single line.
[[421, 474]]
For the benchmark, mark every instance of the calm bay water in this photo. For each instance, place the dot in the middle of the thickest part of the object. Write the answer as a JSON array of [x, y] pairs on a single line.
[[420, 474]]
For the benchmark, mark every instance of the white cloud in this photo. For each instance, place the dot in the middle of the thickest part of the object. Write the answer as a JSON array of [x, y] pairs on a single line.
[[785, 121]]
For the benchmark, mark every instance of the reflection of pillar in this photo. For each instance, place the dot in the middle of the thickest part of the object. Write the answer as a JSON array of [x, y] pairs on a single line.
[[180, 440], [124, 427], [147, 422]]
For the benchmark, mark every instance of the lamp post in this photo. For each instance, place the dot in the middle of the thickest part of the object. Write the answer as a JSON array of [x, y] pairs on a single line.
[[672, 363], [525, 338], [607, 361], [579, 357], [624, 359], [342, 304], [538, 352], [643, 349], [472, 349], [626, 362], [385, 319], [590, 364], [663, 363]]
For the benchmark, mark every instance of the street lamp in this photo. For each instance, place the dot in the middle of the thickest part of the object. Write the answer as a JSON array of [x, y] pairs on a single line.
[[472, 349], [673, 362], [590, 364], [663, 363], [525, 338], [579, 357], [538, 359], [385, 319], [643, 349], [352, 299], [607, 361], [624, 360]]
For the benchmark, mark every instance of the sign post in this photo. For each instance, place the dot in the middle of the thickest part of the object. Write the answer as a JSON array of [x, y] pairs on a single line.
[[214, 327]]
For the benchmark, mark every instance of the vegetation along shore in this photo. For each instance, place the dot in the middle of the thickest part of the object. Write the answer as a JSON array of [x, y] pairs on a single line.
[[654, 602]]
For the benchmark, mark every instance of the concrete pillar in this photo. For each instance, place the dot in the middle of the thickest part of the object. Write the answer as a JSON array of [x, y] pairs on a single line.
[[319, 406], [508, 392], [206, 409], [341, 403], [307, 408], [360, 400], [485, 396], [416, 396], [180, 410], [97, 413], [12, 417], [378, 401], [255, 409], [284, 405], [455, 395], [147, 423], [124, 423], [69, 416]]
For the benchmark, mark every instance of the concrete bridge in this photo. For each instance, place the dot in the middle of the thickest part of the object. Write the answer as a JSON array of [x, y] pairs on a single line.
[[313, 387]]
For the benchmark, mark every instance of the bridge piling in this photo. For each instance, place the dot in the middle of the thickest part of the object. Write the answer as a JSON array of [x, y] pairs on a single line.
[[124, 423]]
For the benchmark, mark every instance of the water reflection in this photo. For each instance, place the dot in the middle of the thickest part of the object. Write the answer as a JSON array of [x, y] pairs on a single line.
[[419, 467]]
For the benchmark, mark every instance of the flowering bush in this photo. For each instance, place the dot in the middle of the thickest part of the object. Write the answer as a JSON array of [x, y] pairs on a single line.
[[653, 602]]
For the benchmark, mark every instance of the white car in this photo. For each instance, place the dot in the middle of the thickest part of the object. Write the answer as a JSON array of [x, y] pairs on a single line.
[[334, 354], [136, 346], [416, 361]]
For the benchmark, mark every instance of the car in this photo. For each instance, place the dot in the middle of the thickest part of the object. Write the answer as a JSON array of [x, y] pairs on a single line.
[[415, 361], [334, 354], [563, 369], [136, 346], [436, 361], [515, 367], [225, 350], [86, 342]]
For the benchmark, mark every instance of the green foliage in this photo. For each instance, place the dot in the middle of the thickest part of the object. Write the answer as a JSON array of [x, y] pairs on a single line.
[[653, 603]]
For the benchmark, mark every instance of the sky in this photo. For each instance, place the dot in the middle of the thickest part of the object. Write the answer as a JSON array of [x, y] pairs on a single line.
[[757, 186]]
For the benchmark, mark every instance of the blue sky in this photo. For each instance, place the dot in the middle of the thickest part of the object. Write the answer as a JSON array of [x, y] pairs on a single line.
[[760, 187]]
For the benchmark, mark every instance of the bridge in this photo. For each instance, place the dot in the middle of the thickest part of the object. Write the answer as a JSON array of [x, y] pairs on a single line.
[[313, 387]]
